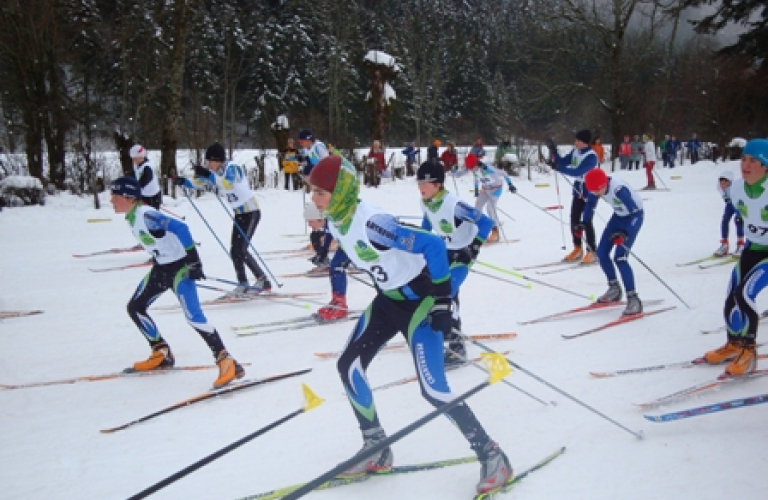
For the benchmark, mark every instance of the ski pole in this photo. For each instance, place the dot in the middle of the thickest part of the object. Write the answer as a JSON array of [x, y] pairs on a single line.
[[560, 210], [250, 243], [506, 214], [499, 368], [590, 298], [658, 175], [311, 401], [171, 213], [633, 254], [504, 381], [542, 209], [206, 223], [500, 279], [638, 434], [495, 216]]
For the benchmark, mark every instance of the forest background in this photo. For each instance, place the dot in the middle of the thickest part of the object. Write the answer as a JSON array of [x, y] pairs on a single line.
[[82, 76]]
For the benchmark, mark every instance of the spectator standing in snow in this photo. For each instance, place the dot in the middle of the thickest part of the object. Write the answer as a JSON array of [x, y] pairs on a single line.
[[625, 152], [694, 145], [410, 153], [449, 157]]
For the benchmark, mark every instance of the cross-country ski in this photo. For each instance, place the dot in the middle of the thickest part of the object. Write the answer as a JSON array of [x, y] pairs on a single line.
[[699, 388], [127, 373], [226, 390], [622, 320], [315, 320], [393, 346], [122, 267], [19, 314], [733, 404]]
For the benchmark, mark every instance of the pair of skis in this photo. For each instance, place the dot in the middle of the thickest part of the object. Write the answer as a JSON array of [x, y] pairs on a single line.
[[128, 373], [291, 324], [595, 306], [406, 469], [705, 262], [229, 389], [733, 404]]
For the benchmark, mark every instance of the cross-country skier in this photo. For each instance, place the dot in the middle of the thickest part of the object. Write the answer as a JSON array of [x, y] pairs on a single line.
[[230, 178], [176, 266], [463, 229], [312, 151], [489, 184], [412, 278], [621, 232], [724, 188], [145, 174], [750, 197], [576, 164]]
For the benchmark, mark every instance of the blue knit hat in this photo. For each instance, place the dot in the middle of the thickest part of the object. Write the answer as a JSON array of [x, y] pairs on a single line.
[[126, 186], [759, 149]]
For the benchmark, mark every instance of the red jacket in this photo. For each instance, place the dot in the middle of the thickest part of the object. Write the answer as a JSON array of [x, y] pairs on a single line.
[[449, 159], [381, 164]]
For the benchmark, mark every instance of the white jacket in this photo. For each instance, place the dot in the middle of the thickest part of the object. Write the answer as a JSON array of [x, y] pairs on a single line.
[[650, 151]]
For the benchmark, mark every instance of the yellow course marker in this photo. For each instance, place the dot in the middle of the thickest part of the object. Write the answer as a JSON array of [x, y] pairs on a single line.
[[676, 177], [542, 185], [311, 400], [497, 366], [99, 220]]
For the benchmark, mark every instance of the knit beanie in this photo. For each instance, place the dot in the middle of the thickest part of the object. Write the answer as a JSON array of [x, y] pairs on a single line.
[[595, 180], [305, 135], [137, 151], [759, 149], [215, 152], [584, 136], [126, 186], [431, 171], [337, 175]]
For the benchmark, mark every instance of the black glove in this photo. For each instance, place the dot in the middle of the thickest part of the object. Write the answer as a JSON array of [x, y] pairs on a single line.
[[552, 150], [194, 266], [477, 193], [440, 316], [202, 172], [512, 188], [179, 181], [474, 248], [578, 230]]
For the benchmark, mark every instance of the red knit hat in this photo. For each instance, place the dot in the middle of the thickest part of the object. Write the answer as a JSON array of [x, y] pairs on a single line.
[[595, 180], [325, 174]]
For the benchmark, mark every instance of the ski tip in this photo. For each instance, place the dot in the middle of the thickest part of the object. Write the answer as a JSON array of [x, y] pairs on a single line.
[[598, 374], [653, 418]]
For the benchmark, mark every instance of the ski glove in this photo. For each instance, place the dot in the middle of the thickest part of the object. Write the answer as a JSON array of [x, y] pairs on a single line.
[[194, 266], [440, 315], [619, 238], [512, 188], [474, 248], [578, 230], [477, 193], [179, 181], [202, 172], [552, 150]]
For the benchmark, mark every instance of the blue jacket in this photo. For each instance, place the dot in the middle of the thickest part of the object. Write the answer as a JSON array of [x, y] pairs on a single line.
[[563, 164], [410, 153]]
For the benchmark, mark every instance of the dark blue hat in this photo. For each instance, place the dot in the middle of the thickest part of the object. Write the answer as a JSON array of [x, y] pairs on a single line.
[[305, 135], [126, 186], [431, 171], [215, 152]]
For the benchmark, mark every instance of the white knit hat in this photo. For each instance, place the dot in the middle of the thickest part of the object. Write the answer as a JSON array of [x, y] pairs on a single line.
[[138, 151], [311, 212]]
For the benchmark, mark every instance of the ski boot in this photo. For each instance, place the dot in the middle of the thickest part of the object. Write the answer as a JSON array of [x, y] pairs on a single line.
[[161, 358], [496, 469], [575, 255], [613, 294], [378, 462], [335, 310], [229, 370], [722, 251], [634, 305], [745, 362]]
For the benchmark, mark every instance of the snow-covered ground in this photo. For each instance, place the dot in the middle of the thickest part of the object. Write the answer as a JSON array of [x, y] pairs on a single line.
[[51, 447]]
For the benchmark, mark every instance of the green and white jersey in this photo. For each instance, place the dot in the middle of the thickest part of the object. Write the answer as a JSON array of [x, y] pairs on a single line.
[[377, 243], [157, 234], [442, 220], [754, 211]]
